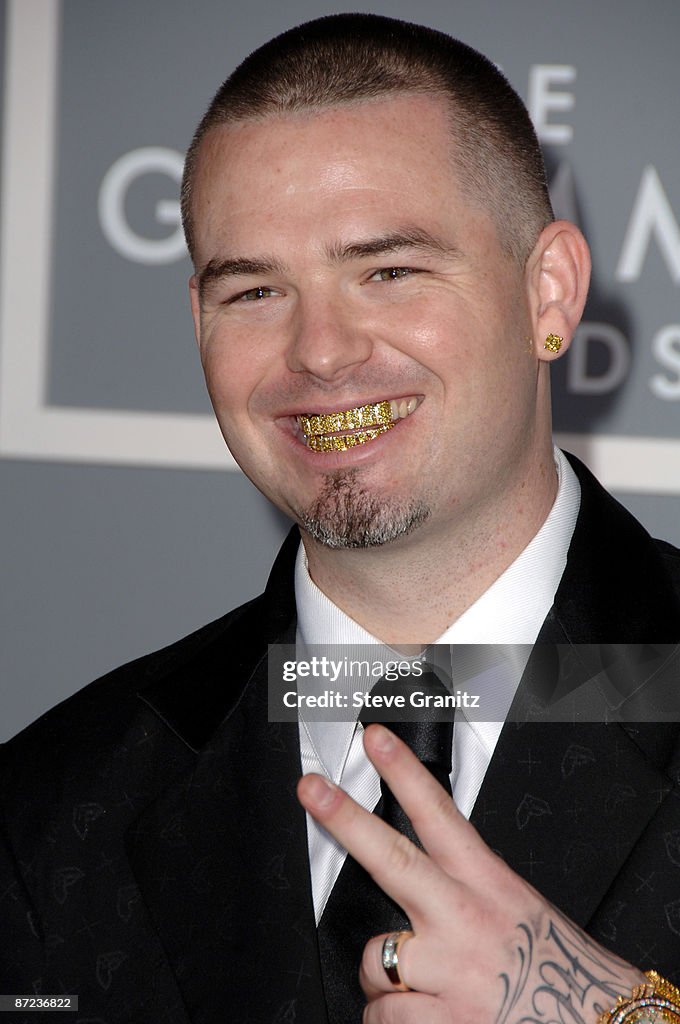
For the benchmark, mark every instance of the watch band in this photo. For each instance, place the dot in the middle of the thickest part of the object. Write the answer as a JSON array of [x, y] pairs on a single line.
[[656, 1002]]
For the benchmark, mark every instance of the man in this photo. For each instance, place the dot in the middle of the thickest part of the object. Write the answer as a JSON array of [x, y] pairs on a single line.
[[379, 290]]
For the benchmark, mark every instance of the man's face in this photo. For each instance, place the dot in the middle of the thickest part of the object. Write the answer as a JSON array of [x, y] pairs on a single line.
[[341, 266]]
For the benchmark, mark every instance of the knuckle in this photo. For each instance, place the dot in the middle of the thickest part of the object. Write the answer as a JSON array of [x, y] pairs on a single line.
[[401, 855], [438, 812], [443, 806]]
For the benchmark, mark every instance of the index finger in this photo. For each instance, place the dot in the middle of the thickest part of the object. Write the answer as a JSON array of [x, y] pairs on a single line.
[[445, 834], [403, 871]]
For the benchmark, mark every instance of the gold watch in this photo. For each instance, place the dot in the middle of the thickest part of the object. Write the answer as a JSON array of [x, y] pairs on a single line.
[[657, 1001]]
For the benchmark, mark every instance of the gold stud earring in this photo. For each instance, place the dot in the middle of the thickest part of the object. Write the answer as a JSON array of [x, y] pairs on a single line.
[[553, 343]]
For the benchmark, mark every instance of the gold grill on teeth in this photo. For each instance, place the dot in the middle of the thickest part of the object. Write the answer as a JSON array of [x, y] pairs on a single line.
[[322, 430], [341, 442], [369, 416]]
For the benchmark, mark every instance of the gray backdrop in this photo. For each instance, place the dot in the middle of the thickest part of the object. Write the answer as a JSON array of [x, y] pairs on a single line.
[[122, 522]]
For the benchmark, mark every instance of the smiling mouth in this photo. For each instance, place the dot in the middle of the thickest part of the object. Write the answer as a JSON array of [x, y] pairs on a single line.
[[342, 430]]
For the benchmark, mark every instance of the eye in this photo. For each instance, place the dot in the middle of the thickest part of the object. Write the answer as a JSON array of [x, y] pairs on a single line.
[[392, 273], [254, 294]]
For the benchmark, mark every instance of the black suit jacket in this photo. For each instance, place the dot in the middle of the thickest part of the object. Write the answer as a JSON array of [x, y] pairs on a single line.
[[153, 857]]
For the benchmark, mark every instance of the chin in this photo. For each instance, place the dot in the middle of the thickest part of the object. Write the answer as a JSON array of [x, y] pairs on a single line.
[[346, 516]]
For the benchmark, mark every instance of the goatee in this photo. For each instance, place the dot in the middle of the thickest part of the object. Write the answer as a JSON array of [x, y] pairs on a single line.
[[347, 516]]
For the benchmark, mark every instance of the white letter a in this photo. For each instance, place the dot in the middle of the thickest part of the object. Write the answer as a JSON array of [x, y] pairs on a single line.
[[652, 215]]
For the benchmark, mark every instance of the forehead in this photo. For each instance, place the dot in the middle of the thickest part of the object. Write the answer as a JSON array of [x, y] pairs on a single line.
[[367, 133], [336, 167]]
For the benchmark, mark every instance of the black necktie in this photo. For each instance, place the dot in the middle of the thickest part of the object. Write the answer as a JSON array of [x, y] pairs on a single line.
[[427, 729], [357, 908]]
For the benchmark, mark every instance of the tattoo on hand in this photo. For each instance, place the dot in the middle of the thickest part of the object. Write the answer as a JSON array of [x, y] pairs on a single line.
[[578, 979]]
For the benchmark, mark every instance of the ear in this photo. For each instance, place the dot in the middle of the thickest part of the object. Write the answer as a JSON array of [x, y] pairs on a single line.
[[195, 299], [558, 274]]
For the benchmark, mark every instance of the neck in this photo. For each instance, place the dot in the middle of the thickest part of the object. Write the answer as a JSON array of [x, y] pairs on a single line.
[[410, 591]]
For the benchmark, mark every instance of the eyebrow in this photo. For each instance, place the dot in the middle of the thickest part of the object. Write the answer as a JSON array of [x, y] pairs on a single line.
[[383, 245], [238, 266], [410, 238]]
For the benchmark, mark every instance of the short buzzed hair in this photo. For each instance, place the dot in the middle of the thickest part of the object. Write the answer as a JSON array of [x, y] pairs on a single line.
[[351, 58]]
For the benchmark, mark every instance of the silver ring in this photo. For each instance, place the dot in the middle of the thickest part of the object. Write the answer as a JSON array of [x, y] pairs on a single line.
[[390, 958]]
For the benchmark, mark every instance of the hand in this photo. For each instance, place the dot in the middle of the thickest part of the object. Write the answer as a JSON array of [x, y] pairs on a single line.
[[487, 948]]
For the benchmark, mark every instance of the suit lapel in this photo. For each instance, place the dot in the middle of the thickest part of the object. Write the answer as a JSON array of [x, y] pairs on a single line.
[[564, 804], [193, 696], [221, 861], [221, 857], [615, 586]]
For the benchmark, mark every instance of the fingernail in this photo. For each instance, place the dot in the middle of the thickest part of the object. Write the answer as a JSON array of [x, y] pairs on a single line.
[[382, 738], [320, 790]]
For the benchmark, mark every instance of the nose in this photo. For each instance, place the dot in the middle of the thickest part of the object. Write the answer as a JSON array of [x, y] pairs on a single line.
[[326, 343]]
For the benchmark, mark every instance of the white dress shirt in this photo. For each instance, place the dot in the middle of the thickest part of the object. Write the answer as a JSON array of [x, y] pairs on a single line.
[[510, 612]]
